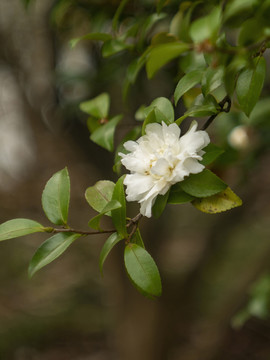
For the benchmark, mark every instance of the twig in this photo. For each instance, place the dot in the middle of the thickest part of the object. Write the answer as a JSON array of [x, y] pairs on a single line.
[[225, 106]]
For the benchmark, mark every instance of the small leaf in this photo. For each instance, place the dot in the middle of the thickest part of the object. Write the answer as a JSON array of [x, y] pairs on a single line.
[[164, 106], [55, 197], [114, 46], [198, 111], [50, 250], [119, 215], [159, 205], [91, 36], [212, 152], [203, 184], [19, 227], [222, 201], [142, 270], [137, 238], [212, 79], [107, 247], [162, 54], [187, 82], [99, 195], [112, 205], [97, 107], [104, 135], [207, 27], [178, 196], [249, 86]]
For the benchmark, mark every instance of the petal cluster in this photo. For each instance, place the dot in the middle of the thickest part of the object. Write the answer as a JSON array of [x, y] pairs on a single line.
[[159, 159]]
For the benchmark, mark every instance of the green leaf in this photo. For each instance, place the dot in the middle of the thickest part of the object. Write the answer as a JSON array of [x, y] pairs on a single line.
[[50, 250], [142, 270], [132, 135], [212, 152], [137, 238], [19, 227], [206, 28], [212, 79], [112, 205], [119, 215], [203, 184], [237, 8], [114, 46], [249, 86], [151, 118], [107, 247], [178, 196], [165, 110], [99, 195], [55, 197], [118, 13], [104, 135], [187, 82], [162, 54], [222, 201], [198, 111], [159, 205], [97, 107], [161, 4], [91, 36]]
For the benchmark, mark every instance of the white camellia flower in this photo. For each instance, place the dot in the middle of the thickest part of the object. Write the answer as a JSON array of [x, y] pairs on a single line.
[[159, 159]]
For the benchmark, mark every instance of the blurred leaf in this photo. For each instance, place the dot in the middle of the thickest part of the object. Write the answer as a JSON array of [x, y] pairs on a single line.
[[187, 82], [161, 54], [97, 107], [251, 31], [160, 204], [222, 201], [91, 36], [118, 13], [114, 46], [162, 38], [55, 197], [131, 135], [142, 270], [206, 28], [104, 135], [178, 196], [137, 238], [212, 79], [161, 4], [19, 227], [149, 22], [93, 124], [107, 247], [249, 86], [151, 118], [50, 250], [198, 111], [100, 195], [119, 215], [261, 113], [95, 221], [237, 8], [211, 153], [203, 184]]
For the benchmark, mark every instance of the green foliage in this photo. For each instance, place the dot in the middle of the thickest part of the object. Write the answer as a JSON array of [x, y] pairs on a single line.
[[104, 135], [100, 195], [186, 83], [249, 86], [19, 227], [107, 247], [95, 221], [119, 214], [97, 107], [142, 270], [50, 250], [55, 197]]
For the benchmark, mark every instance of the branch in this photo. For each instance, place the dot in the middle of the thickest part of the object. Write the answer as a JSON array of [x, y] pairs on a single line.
[[225, 106]]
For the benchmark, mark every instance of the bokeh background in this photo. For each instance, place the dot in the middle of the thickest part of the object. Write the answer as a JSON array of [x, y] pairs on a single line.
[[208, 263]]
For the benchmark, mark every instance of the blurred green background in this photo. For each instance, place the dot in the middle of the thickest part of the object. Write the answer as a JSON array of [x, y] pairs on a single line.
[[208, 263]]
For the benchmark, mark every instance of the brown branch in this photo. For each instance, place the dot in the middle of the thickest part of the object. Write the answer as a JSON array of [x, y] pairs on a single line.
[[225, 106]]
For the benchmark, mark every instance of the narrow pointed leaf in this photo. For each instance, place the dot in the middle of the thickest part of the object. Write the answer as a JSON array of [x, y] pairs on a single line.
[[119, 215], [95, 221], [99, 195], [107, 247], [142, 270], [220, 202], [50, 250], [55, 197], [203, 184], [249, 86], [186, 83], [104, 135], [19, 227]]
